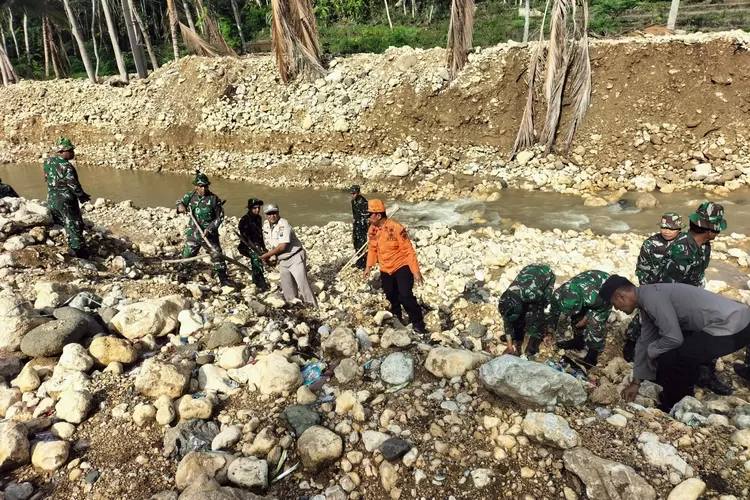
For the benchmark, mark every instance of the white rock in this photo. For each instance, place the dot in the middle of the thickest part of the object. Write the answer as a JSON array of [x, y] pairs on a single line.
[[158, 378], [524, 157], [318, 447], [156, 317], [16, 322], [401, 169], [234, 357], [644, 183], [14, 445], [249, 472], [663, 455], [53, 294], [397, 368], [341, 125], [73, 406], [212, 378], [617, 420], [50, 455], [689, 489], [271, 374], [27, 380], [75, 357], [143, 413], [550, 429], [445, 362], [106, 350], [227, 438], [190, 322], [373, 439], [8, 397]]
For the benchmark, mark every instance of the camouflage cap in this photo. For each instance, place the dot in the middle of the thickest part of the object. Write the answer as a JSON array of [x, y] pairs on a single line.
[[671, 220], [201, 180], [64, 144], [510, 305], [709, 216]]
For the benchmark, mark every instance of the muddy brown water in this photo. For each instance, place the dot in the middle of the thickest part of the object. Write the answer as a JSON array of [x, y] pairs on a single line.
[[309, 206]]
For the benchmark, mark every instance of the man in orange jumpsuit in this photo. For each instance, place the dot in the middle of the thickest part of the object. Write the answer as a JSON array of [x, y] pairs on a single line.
[[390, 247]]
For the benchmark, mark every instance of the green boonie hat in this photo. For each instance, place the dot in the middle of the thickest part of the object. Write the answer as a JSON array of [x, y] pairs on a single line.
[[201, 180], [709, 216], [64, 144], [671, 220], [510, 303], [354, 189], [254, 202]]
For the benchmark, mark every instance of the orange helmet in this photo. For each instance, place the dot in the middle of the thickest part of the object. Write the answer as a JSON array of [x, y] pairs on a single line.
[[375, 207]]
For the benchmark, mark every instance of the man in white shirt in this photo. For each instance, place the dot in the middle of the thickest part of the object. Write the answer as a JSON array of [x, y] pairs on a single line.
[[289, 253]]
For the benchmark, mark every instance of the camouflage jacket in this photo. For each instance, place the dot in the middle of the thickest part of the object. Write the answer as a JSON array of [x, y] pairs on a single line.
[[62, 179], [686, 261], [649, 266], [579, 295], [251, 228], [7, 192], [208, 210], [533, 285], [361, 220]]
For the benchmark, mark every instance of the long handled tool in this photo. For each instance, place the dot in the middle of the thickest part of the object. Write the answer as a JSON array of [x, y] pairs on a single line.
[[213, 248], [360, 251]]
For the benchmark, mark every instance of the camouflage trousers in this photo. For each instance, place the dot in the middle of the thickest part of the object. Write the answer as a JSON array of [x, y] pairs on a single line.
[[359, 238], [593, 332], [532, 322], [633, 331], [193, 247], [259, 277], [67, 213]]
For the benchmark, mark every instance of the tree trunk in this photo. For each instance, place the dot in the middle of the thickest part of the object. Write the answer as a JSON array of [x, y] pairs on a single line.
[[144, 34], [172, 12], [26, 37], [526, 14], [2, 69], [2, 36], [138, 57], [94, 11], [13, 32], [112, 29], [413, 8], [238, 21], [79, 41], [388, 13], [672, 19], [186, 6], [45, 43]]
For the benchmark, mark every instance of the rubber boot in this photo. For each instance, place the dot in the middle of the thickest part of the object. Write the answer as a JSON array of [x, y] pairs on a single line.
[[80, 253], [574, 344], [591, 359], [532, 348], [708, 379], [224, 279], [628, 350]]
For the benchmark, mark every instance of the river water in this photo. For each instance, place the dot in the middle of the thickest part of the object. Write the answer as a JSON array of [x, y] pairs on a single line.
[[310, 206]]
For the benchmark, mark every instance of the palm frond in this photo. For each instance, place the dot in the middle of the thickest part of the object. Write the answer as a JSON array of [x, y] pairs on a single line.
[[196, 44], [581, 85], [282, 39], [460, 33], [525, 138], [307, 57], [554, 104], [556, 50]]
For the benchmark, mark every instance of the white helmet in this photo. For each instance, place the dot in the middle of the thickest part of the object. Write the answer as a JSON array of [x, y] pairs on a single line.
[[270, 208]]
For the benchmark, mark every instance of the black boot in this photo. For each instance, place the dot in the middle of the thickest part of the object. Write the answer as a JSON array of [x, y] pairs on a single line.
[[708, 379], [574, 344], [183, 276], [532, 348], [742, 370], [420, 329], [224, 279], [80, 253], [591, 358], [628, 350]]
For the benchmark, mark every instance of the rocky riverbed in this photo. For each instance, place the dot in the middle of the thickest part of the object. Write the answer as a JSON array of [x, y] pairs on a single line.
[[666, 113], [120, 383]]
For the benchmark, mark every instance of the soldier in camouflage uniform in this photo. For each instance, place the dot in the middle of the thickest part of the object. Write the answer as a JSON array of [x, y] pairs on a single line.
[[522, 307], [648, 270], [578, 298], [6, 191], [687, 262], [208, 211], [361, 223], [251, 230], [64, 193]]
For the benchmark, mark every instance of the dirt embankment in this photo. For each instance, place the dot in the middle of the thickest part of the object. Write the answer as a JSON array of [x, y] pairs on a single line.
[[671, 110]]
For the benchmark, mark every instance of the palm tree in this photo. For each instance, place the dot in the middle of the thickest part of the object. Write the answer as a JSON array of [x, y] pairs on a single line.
[[79, 40], [672, 19], [459, 35], [295, 39], [238, 21], [138, 57], [112, 29], [173, 20], [144, 33], [26, 37]]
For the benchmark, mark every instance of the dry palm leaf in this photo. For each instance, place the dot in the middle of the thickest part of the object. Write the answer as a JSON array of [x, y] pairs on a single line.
[[459, 35], [580, 88], [282, 39], [196, 44], [307, 56], [525, 138], [557, 45]]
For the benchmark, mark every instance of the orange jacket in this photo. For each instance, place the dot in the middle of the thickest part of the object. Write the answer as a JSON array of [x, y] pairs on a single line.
[[391, 247]]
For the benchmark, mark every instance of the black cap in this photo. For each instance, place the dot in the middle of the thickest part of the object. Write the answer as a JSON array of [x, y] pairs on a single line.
[[254, 202], [613, 283], [354, 189]]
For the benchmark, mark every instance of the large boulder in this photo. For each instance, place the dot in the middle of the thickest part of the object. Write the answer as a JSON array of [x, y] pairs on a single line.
[[50, 338], [271, 374], [318, 447], [551, 430], [158, 378], [106, 350], [156, 317], [14, 445], [15, 312], [445, 362], [606, 479], [51, 294], [94, 327], [530, 383]]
